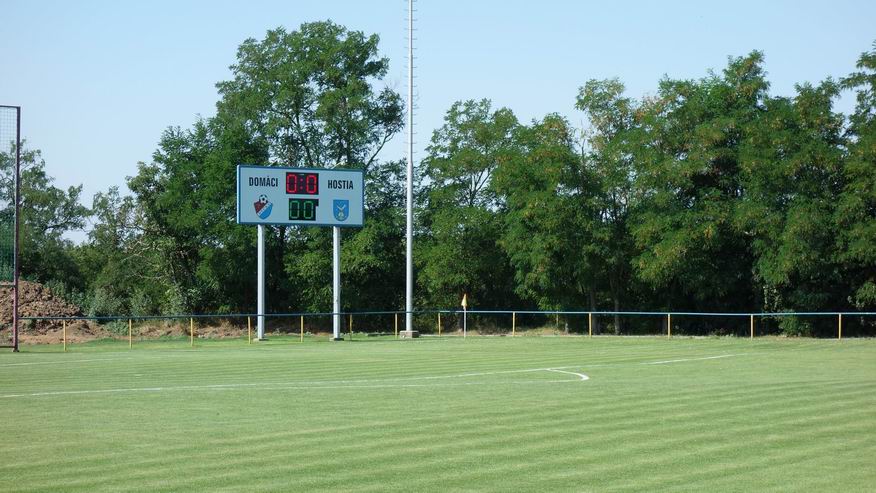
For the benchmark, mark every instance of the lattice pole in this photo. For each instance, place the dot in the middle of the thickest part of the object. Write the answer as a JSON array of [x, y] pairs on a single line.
[[8, 110]]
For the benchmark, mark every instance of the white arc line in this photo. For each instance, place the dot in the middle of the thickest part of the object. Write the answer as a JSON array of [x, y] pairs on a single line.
[[579, 375], [325, 384]]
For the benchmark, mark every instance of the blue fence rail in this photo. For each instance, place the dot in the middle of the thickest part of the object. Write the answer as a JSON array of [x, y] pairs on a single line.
[[454, 312], [575, 322]]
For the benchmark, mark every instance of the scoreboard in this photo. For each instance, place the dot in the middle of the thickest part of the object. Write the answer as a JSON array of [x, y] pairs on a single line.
[[300, 196]]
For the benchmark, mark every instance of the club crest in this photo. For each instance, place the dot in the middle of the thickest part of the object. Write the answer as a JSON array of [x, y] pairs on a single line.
[[341, 209], [263, 207]]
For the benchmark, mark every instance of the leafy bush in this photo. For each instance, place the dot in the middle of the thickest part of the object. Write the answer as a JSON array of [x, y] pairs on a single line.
[[793, 326]]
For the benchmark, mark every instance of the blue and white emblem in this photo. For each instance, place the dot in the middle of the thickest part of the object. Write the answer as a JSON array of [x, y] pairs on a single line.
[[341, 209]]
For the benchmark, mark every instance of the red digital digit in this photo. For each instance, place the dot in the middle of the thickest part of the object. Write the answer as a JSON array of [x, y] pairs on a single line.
[[311, 183], [291, 183]]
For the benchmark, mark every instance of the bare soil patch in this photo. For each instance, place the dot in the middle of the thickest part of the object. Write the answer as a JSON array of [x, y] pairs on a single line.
[[36, 300]]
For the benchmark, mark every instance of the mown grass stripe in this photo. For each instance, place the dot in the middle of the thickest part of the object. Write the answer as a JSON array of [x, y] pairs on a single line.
[[633, 426]]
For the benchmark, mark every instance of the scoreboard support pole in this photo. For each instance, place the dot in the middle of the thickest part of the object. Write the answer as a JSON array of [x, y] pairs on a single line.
[[260, 308], [336, 284]]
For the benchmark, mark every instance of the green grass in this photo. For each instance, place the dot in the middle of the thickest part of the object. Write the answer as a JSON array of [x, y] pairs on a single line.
[[441, 415]]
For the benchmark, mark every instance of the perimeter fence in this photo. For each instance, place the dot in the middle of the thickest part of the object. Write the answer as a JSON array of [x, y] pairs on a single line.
[[358, 326]]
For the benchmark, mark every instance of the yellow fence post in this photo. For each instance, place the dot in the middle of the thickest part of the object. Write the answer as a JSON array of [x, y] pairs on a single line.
[[590, 324], [130, 336], [249, 329], [64, 332], [840, 332], [752, 326], [557, 326], [668, 325], [513, 324], [351, 326], [192, 331], [396, 325], [301, 331], [439, 324]]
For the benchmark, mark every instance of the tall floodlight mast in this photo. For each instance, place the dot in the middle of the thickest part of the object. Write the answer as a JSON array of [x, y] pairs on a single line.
[[409, 260]]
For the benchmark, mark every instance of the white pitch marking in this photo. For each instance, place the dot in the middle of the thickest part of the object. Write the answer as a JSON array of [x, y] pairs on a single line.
[[692, 359], [579, 375], [327, 384], [352, 384], [481, 374], [62, 362]]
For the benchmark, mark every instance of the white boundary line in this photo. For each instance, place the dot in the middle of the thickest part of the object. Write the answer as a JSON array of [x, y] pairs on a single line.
[[324, 384], [692, 359], [63, 362], [365, 383]]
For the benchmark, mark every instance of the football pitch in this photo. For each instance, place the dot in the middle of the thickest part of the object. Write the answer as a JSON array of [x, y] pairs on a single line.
[[482, 414]]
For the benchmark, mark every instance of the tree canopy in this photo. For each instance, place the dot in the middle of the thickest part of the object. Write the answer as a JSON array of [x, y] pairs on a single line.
[[711, 194]]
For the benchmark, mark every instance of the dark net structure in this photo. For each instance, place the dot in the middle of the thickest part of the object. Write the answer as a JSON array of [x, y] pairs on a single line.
[[10, 158]]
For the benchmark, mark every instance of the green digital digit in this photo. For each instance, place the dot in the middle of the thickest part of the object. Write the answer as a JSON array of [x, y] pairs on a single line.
[[303, 209]]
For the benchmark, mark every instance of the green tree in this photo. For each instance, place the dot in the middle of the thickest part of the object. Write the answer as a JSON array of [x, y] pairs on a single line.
[[542, 231], [309, 95], [463, 217], [856, 214], [607, 161], [687, 175], [568, 202], [47, 213], [188, 198], [122, 262], [300, 98], [790, 175], [373, 260]]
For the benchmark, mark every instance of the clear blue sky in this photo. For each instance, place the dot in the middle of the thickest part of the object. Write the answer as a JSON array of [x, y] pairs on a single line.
[[99, 81]]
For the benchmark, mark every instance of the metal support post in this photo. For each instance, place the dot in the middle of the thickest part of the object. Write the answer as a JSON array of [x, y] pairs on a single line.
[[336, 283], [260, 304], [409, 213]]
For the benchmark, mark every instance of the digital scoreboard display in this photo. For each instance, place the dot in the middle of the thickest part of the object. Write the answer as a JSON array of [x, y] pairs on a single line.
[[289, 196], [302, 183]]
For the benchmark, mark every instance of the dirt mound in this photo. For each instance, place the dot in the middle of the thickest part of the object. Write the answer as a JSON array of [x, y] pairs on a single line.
[[36, 300]]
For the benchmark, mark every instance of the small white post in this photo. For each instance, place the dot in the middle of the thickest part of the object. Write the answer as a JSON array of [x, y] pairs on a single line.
[[260, 304], [464, 321], [336, 283]]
